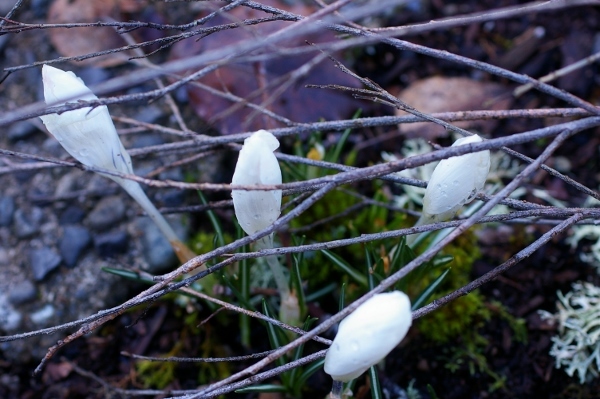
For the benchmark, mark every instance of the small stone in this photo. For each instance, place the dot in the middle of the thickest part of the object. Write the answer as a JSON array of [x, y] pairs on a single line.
[[22, 292], [42, 316], [7, 210], [27, 223], [53, 148], [23, 176], [146, 140], [43, 261], [10, 318], [72, 215], [107, 213], [65, 185], [111, 244], [157, 250], [21, 130], [171, 197], [40, 8], [94, 75], [4, 256], [74, 241], [158, 253], [149, 114]]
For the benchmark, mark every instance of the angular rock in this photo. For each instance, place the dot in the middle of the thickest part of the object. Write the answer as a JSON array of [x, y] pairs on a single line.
[[21, 130], [10, 318], [22, 292], [74, 241], [27, 223], [43, 261], [7, 210], [72, 215], [157, 251], [109, 245], [42, 316], [108, 212]]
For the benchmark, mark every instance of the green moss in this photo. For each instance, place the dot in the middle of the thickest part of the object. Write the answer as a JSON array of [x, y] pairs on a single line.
[[157, 375]]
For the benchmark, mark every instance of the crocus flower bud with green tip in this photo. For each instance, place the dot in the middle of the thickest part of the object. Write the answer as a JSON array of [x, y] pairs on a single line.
[[454, 182], [256, 210], [368, 334], [89, 135]]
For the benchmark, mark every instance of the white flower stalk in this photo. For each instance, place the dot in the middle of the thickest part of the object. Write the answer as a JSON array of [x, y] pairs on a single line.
[[455, 182], [89, 135], [368, 334], [256, 210]]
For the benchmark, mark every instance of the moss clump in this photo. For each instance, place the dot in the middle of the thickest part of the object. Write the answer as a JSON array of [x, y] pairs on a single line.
[[468, 312]]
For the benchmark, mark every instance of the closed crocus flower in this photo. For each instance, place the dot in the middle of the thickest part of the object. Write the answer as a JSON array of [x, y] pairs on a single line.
[[89, 135], [368, 334], [454, 182], [256, 210]]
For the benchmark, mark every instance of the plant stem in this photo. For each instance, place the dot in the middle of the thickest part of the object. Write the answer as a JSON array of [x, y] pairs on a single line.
[[276, 268], [133, 188], [336, 390], [289, 310]]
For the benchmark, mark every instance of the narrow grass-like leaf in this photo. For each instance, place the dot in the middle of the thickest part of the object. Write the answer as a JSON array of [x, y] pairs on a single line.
[[427, 292], [128, 274], [342, 298], [213, 220], [297, 285], [297, 355], [369, 264], [402, 255], [293, 170], [245, 293], [442, 260], [274, 340], [375, 386], [342, 264], [432, 393], [245, 302], [337, 151], [308, 371], [262, 388], [313, 296]]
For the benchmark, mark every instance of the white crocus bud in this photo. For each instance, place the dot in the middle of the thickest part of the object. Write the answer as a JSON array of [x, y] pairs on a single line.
[[454, 182], [256, 210], [368, 334], [89, 135]]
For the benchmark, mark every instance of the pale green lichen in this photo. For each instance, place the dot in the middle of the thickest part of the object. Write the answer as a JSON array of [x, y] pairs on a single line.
[[590, 233], [577, 346]]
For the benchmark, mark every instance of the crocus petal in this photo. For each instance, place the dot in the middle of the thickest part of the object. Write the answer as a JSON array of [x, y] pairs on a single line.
[[368, 334], [88, 134], [255, 210], [455, 181]]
